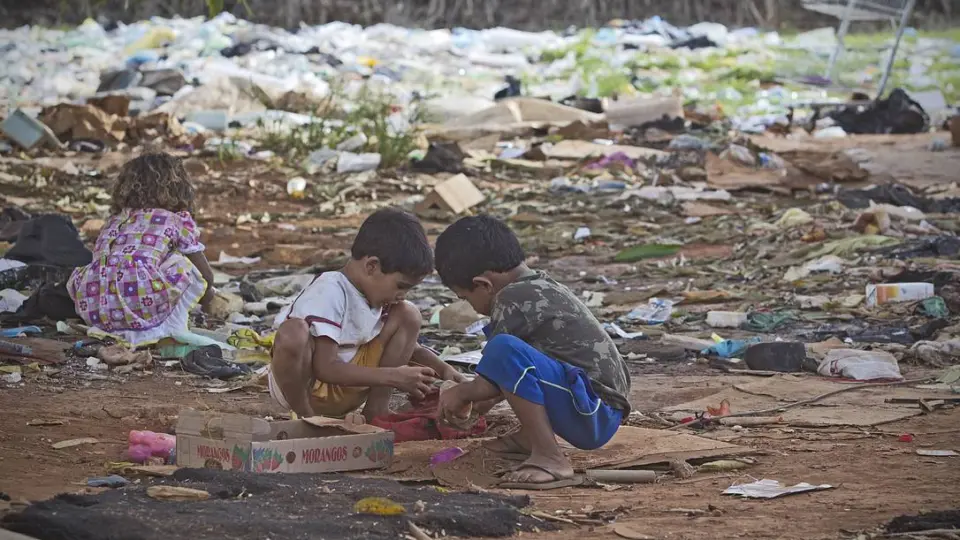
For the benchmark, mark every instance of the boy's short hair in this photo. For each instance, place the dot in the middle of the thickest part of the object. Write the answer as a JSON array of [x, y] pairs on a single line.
[[474, 245], [396, 238]]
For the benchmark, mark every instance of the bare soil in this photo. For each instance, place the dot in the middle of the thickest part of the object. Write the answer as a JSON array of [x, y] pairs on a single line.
[[877, 477]]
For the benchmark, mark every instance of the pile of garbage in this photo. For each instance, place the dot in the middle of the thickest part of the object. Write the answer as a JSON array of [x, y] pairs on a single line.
[[620, 169], [216, 74]]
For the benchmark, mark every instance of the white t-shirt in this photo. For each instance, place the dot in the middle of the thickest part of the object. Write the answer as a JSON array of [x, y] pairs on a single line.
[[336, 309]]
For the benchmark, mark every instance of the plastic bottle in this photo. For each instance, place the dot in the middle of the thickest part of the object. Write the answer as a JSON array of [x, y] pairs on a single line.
[[144, 445]]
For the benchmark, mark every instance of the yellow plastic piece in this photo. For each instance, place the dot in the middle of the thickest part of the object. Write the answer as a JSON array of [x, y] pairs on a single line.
[[378, 506]]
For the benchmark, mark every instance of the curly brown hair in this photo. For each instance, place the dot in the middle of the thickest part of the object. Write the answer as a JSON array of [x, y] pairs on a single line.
[[153, 181]]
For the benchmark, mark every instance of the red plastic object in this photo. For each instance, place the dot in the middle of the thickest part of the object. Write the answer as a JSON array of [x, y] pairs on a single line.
[[421, 424], [906, 437], [688, 419]]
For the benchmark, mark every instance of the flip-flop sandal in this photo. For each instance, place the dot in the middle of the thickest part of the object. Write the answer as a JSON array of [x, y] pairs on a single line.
[[556, 483], [512, 446]]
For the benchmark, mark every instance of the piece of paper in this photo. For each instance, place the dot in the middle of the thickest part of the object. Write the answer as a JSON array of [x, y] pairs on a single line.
[[771, 489], [937, 453], [469, 358], [225, 258]]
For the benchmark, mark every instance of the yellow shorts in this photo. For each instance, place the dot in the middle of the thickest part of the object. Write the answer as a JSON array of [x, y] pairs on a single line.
[[337, 401]]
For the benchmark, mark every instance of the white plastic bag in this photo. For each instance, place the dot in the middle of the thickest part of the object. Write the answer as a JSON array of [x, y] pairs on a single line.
[[860, 365]]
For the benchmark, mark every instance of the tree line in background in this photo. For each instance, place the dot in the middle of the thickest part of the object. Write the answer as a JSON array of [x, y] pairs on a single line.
[[523, 14]]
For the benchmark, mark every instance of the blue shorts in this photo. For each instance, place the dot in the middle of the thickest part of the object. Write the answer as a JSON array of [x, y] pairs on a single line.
[[577, 415]]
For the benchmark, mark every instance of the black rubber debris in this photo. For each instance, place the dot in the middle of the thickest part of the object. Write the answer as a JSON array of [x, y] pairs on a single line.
[[256, 506], [946, 519]]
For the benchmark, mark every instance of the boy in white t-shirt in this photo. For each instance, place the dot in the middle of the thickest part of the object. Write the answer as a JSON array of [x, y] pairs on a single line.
[[350, 337]]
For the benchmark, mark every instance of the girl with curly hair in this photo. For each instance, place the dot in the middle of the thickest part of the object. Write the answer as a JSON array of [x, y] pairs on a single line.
[[148, 270]]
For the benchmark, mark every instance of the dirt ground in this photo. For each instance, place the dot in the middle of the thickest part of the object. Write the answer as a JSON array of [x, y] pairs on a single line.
[[876, 476]]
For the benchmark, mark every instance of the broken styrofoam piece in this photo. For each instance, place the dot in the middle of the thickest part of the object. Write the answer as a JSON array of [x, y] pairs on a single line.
[[771, 489]]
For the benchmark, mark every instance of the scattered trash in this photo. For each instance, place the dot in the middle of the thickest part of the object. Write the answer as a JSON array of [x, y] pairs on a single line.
[[648, 251], [455, 195], [726, 319], [27, 131], [937, 453], [74, 442], [723, 465], [783, 357], [860, 365], [771, 489], [176, 493], [378, 506], [898, 292], [355, 163], [448, 454], [458, 316], [144, 445], [657, 311], [112, 481]]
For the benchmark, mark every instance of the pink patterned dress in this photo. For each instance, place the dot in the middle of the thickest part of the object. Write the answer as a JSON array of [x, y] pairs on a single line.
[[140, 287]]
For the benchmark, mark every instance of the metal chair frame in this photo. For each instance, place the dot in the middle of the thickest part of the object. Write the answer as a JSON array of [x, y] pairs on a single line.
[[898, 12]]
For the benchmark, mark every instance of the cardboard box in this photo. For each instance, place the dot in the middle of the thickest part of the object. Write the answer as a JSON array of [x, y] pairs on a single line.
[[456, 194], [311, 445]]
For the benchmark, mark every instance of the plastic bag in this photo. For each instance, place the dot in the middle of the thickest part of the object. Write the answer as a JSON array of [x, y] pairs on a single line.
[[860, 365]]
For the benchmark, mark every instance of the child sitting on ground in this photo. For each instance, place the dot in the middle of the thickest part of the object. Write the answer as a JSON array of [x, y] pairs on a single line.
[[547, 355], [148, 270], [348, 338]]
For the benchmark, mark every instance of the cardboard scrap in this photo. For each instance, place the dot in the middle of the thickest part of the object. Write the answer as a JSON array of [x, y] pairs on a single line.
[[639, 447], [865, 407], [640, 111], [238, 442], [632, 447], [731, 176], [89, 122], [456, 195]]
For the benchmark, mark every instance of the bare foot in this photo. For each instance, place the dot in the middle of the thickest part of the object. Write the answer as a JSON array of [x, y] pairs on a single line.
[[511, 443], [541, 470]]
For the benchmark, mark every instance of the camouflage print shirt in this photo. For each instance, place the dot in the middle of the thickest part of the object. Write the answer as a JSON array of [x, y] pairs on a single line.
[[550, 317]]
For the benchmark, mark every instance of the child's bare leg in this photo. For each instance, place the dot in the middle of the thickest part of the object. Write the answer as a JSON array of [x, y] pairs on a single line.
[[292, 365], [545, 453], [399, 337]]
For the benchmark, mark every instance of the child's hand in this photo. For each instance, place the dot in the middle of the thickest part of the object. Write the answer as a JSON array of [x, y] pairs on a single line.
[[416, 381], [452, 405], [450, 373], [483, 407]]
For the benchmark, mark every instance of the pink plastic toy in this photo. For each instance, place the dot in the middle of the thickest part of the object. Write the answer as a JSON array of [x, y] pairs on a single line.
[[147, 444]]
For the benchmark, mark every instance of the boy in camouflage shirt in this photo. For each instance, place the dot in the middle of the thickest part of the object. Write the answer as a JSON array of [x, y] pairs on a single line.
[[547, 355]]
